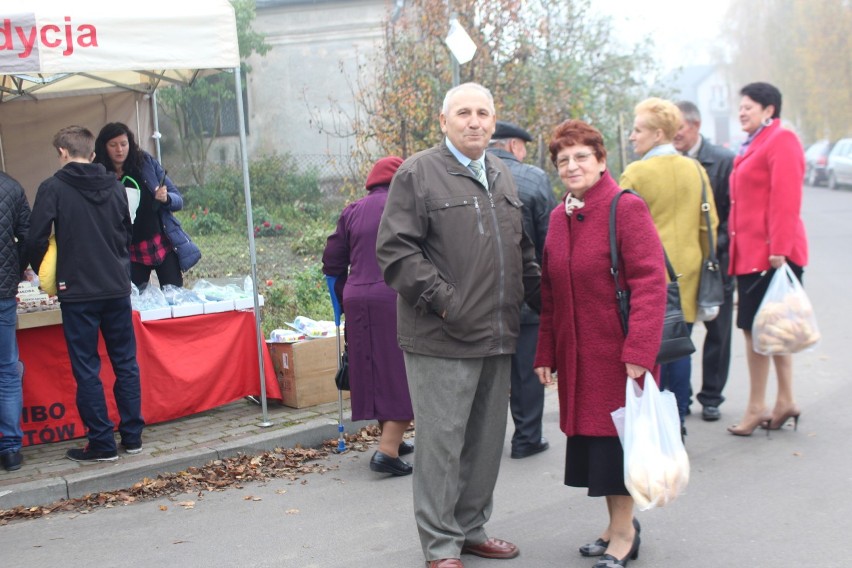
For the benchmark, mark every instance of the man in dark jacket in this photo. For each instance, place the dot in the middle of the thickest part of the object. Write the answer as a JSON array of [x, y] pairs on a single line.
[[527, 396], [14, 224], [451, 243], [718, 162], [87, 206]]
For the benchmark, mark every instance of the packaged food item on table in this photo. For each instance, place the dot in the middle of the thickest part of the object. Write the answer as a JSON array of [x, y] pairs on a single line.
[[285, 336], [313, 328]]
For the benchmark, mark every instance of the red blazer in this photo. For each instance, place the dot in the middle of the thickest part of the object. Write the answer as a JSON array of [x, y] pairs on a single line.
[[766, 201], [580, 333]]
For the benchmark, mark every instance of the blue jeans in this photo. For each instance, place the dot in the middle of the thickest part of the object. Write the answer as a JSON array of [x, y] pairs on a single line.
[[80, 323], [11, 388], [676, 376]]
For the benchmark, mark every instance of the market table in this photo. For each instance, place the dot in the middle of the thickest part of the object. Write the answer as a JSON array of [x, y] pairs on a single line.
[[187, 365]]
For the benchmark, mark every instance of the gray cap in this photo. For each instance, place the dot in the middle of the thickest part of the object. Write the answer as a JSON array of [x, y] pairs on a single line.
[[508, 130]]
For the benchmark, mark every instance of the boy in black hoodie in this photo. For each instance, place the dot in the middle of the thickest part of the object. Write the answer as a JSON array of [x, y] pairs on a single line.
[[87, 206]]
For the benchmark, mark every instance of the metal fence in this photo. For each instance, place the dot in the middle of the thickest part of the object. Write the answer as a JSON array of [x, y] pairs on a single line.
[[296, 201]]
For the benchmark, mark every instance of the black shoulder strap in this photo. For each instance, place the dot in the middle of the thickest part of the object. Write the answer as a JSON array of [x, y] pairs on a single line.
[[705, 207], [613, 247]]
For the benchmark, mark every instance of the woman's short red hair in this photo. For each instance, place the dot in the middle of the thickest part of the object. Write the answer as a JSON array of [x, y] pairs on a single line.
[[574, 132]]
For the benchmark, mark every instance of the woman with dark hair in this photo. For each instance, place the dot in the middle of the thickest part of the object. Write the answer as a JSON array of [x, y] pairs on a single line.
[[379, 385], [766, 232], [159, 243], [581, 334]]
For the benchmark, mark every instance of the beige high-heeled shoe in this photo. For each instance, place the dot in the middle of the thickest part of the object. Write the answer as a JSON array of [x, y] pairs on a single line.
[[777, 423], [747, 428]]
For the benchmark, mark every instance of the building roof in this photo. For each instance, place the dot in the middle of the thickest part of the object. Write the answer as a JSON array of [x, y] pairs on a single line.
[[685, 81]]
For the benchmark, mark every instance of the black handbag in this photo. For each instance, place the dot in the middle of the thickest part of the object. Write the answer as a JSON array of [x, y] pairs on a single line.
[[711, 287], [341, 379], [676, 342]]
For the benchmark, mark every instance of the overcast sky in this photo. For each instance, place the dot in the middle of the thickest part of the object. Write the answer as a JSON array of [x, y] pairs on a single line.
[[684, 31]]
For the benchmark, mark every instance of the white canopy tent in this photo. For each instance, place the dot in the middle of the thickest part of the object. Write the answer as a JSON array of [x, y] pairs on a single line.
[[55, 48]]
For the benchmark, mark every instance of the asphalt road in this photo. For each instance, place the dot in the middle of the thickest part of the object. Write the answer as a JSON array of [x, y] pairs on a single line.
[[764, 502]]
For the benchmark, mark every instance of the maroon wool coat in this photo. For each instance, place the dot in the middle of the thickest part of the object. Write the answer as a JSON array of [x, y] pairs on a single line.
[[580, 334], [379, 387]]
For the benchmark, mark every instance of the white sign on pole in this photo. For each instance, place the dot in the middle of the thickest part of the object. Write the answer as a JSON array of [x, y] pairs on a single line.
[[460, 44]]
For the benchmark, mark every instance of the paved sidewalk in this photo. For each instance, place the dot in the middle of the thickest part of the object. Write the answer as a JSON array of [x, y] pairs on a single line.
[[47, 475]]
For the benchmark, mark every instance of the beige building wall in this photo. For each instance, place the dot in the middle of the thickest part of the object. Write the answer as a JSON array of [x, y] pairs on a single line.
[[316, 48]]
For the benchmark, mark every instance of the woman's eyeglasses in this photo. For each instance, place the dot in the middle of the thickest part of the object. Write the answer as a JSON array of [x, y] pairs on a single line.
[[580, 158]]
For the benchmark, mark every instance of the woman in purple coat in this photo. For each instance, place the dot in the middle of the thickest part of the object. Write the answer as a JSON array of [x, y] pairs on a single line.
[[377, 379]]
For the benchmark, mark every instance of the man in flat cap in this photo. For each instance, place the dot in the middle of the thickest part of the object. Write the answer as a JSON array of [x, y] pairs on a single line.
[[534, 189]]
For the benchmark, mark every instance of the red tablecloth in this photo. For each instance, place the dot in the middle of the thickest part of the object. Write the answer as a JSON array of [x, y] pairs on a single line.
[[187, 365]]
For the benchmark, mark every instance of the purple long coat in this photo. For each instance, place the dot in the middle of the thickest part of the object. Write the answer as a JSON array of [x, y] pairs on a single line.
[[379, 387]]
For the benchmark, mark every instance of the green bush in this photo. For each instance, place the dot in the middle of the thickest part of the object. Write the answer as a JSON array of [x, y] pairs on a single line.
[[304, 294], [312, 298], [277, 183], [222, 193], [202, 221], [311, 238]]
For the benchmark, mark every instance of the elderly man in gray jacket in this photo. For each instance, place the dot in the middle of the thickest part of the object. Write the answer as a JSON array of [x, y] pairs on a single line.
[[451, 243]]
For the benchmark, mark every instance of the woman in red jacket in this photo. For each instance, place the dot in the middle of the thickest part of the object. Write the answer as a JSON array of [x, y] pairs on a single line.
[[766, 232], [580, 334]]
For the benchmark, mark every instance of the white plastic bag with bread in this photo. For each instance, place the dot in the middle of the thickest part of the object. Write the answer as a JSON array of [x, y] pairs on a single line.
[[785, 322], [656, 466]]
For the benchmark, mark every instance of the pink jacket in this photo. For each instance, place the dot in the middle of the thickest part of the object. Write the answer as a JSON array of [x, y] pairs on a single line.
[[766, 200]]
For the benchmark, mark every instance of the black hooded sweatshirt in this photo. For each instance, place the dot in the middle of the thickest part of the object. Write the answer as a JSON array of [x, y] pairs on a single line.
[[87, 207]]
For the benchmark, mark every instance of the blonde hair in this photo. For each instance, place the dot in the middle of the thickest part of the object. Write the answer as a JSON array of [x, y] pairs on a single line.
[[660, 114]]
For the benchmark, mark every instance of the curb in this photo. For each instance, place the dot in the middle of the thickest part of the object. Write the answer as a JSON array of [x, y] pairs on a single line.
[[128, 471]]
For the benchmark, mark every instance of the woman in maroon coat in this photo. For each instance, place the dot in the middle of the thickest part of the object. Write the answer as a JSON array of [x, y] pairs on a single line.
[[377, 379], [581, 335], [766, 231]]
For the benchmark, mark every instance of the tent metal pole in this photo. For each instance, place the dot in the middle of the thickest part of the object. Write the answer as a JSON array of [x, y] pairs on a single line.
[[156, 115], [238, 86]]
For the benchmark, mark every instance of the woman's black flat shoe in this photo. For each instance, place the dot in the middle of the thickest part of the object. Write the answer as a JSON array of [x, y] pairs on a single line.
[[383, 463], [610, 561], [406, 447], [598, 547]]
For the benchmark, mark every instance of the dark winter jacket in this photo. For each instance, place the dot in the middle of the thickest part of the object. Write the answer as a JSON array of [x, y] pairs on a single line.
[[87, 207], [449, 246], [536, 193], [187, 251], [719, 162], [14, 225]]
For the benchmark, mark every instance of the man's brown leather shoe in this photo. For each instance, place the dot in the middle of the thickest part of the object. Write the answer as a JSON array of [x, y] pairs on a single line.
[[446, 563], [492, 548]]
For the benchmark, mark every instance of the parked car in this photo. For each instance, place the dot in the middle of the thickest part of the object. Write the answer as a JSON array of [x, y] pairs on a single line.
[[816, 159], [839, 168]]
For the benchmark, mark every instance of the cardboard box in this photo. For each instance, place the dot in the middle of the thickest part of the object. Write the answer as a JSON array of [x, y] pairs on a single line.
[[247, 303], [305, 371], [156, 314], [219, 306], [184, 310], [39, 319]]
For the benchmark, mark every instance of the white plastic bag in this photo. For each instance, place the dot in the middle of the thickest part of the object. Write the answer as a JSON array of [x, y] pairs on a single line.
[[785, 322], [656, 467]]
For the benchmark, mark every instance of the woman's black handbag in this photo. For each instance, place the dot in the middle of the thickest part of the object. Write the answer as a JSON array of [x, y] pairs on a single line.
[[711, 287], [341, 379], [676, 342]]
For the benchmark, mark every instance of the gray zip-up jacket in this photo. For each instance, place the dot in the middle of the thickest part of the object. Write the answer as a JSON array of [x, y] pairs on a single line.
[[449, 246]]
